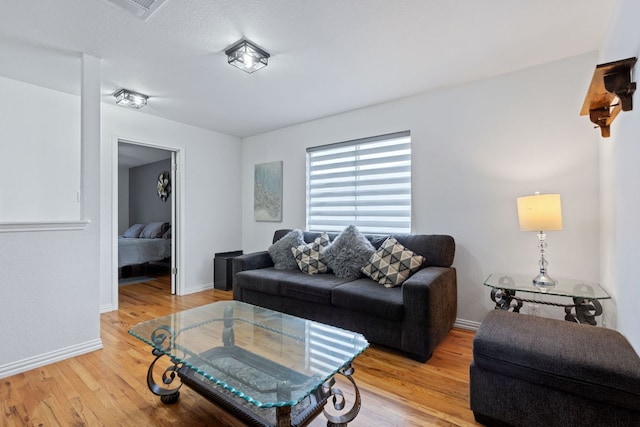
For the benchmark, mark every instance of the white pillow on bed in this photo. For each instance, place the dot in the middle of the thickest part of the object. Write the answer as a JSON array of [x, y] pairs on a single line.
[[153, 230], [133, 231]]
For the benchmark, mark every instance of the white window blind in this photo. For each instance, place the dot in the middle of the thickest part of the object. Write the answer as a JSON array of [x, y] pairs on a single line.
[[365, 182]]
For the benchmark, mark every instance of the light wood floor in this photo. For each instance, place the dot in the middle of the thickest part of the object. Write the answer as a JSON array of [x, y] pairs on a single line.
[[108, 387]]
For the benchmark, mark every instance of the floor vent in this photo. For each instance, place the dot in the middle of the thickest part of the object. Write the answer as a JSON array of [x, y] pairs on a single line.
[[143, 9]]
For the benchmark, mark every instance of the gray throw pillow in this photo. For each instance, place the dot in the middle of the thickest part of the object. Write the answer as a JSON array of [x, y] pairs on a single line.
[[167, 234], [348, 253], [280, 251]]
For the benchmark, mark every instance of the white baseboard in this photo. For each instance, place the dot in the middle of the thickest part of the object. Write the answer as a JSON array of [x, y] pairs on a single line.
[[200, 288], [466, 324], [106, 308], [48, 358]]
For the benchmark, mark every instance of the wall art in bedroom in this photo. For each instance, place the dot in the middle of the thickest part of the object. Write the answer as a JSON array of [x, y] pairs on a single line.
[[267, 192], [164, 185]]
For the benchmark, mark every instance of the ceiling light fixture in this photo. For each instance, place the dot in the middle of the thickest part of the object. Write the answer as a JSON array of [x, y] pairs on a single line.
[[247, 56], [131, 99]]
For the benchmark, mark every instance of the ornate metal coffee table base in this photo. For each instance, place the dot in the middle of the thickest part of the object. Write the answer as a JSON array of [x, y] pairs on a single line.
[[284, 416]]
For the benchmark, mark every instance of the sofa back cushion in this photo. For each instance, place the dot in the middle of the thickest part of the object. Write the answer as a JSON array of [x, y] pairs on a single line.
[[438, 249]]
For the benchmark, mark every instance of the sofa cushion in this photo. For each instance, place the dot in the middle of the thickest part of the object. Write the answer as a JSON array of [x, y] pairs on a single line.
[[348, 253], [392, 264], [280, 251], [439, 250], [313, 288], [265, 280], [366, 296], [310, 257]]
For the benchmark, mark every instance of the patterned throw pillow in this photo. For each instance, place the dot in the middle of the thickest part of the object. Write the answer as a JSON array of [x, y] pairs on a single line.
[[392, 264], [310, 258]]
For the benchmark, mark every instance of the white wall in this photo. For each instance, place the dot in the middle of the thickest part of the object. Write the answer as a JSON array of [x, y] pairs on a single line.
[[476, 147], [48, 279], [210, 199], [54, 282], [41, 150], [144, 204], [620, 180]]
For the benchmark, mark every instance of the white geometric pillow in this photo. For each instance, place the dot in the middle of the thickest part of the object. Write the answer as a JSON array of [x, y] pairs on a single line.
[[392, 264], [310, 258]]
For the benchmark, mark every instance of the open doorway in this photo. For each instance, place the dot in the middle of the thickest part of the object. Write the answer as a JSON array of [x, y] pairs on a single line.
[[147, 222]]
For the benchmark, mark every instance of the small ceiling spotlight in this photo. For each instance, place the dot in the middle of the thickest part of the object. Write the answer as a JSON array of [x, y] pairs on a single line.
[[247, 56], [131, 99]]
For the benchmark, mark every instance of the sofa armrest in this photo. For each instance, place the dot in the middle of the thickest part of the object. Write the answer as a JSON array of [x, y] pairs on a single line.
[[430, 304], [251, 261]]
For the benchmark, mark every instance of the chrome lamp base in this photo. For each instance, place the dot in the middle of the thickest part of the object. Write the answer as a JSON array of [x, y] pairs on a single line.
[[543, 281]]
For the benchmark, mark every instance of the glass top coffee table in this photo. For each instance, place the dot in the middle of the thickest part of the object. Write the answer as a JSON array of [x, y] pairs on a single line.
[[265, 367], [586, 295]]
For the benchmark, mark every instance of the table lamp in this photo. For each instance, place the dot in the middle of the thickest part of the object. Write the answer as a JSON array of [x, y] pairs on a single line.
[[540, 212]]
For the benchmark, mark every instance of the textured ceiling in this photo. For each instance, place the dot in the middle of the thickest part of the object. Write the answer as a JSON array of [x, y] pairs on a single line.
[[327, 56]]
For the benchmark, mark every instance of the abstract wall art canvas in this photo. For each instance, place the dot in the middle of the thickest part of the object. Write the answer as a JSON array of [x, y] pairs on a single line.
[[267, 192]]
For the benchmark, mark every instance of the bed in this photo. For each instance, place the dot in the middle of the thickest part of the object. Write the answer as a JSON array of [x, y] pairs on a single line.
[[144, 243]]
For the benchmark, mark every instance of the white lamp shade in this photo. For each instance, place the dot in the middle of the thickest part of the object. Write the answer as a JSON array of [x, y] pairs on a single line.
[[541, 212]]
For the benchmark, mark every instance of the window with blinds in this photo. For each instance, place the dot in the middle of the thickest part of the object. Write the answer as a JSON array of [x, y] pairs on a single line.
[[365, 182]]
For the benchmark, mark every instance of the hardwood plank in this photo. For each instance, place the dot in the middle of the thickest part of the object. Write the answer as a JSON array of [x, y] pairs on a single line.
[[108, 387]]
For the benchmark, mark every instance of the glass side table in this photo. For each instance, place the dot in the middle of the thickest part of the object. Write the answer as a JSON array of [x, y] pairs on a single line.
[[586, 295]]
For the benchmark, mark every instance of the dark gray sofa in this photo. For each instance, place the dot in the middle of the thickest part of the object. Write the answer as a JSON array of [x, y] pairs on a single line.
[[532, 371], [412, 318]]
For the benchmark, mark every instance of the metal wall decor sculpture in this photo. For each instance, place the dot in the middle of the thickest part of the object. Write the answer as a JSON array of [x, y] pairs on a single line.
[[164, 185]]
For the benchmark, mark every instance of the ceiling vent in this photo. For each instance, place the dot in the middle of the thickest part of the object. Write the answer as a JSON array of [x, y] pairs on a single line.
[[143, 9]]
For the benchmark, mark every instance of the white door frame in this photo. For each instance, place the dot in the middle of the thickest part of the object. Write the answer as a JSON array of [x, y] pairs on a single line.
[[176, 193], [174, 219]]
